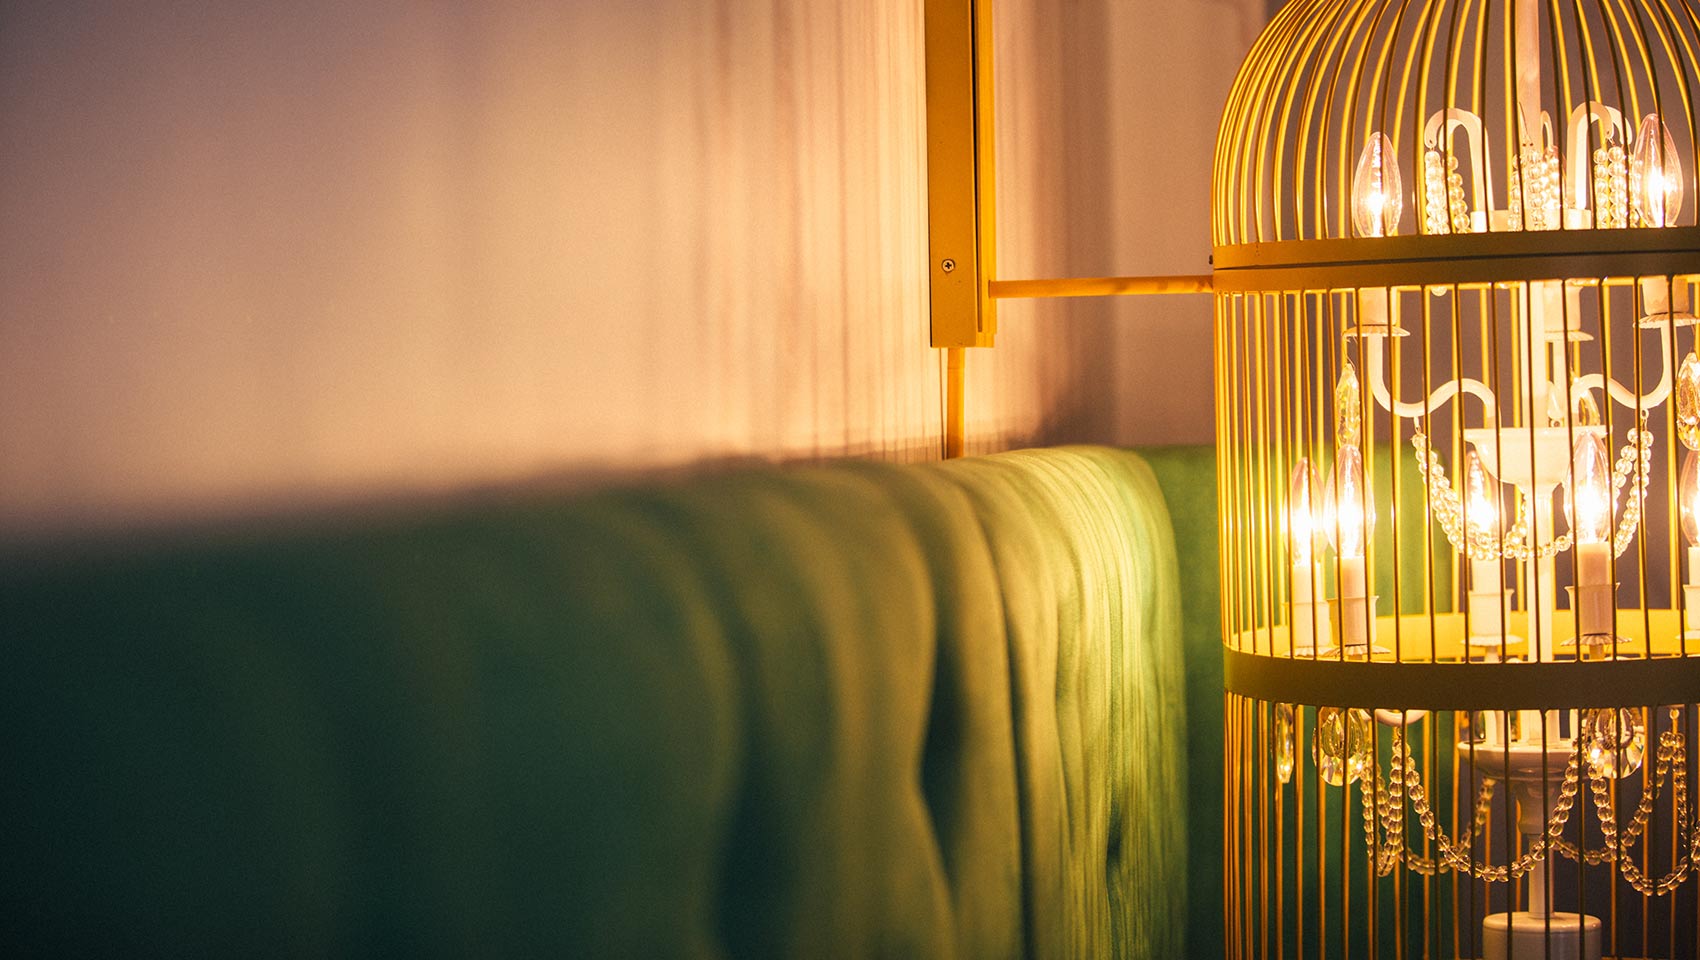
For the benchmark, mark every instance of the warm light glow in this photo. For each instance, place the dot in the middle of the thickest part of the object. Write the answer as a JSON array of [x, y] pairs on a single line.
[[1377, 194], [1688, 492], [1353, 514], [1481, 500], [1656, 172], [1587, 497], [1507, 374], [1303, 526]]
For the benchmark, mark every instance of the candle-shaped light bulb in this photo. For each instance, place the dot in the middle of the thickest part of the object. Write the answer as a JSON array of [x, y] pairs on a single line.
[[1354, 516], [1588, 506], [1656, 174], [1487, 580], [1481, 505], [1481, 515], [1588, 499], [1310, 619], [1377, 193], [1302, 525]]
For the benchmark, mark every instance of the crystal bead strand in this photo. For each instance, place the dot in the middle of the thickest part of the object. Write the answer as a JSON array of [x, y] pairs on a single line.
[[1536, 176], [1457, 855], [1445, 210], [1635, 460], [1671, 759], [1611, 187]]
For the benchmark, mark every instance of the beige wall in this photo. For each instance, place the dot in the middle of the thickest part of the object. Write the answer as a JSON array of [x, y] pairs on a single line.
[[1108, 113], [261, 255]]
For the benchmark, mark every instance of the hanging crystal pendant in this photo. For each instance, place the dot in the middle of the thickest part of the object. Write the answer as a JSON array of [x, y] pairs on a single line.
[[1478, 722], [1348, 403], [1688, 402], [1614, 741], [1284, 742], [1342, 745]]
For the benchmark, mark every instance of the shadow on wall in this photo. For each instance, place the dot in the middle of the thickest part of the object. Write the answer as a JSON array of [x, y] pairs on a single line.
[[1107, 123], [320, 252]]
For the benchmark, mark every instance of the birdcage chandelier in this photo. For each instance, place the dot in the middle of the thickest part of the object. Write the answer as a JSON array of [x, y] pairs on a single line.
[[1458, 416]]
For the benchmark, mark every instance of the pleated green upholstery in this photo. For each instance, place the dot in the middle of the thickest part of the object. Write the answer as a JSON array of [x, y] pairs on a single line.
[[854, 711], [1187, 476]]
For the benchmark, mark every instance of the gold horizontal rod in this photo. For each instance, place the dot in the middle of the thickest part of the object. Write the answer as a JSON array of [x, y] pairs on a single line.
[[1100, 286]]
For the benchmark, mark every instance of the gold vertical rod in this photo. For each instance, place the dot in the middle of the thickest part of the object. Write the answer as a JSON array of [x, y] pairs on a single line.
[[955, 409], [961, 212], [1261, 777]]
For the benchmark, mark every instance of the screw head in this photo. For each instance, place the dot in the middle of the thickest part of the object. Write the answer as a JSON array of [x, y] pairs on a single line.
[[948, 265]]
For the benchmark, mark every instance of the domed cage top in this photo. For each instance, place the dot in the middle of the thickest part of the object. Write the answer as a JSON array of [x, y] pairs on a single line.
[[1384, 118]]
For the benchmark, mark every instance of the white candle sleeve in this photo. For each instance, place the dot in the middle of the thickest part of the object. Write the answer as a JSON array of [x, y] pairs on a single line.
[[1593, 564], [1486, 575]]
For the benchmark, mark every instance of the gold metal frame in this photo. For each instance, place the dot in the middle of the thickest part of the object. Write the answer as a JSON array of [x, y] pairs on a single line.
[[962, 208], [1323, 860], [961, 177]]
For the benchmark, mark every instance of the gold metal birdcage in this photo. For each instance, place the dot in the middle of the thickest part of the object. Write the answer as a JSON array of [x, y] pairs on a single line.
[[1458, 410]]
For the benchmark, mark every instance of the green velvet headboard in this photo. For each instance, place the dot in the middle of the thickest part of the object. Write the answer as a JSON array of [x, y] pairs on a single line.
[[858, 710]]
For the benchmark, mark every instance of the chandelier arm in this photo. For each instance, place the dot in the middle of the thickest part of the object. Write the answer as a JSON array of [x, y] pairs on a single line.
[[1622, 394], [1443, 393]]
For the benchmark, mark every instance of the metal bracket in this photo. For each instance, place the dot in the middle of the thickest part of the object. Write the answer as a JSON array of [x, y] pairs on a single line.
[[960, 175]]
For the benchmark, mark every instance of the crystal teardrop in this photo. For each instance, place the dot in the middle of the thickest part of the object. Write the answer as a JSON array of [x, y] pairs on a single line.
[[1348, 422], [1615, 741], [1688, 402], [1284, 742], [1342, 745]]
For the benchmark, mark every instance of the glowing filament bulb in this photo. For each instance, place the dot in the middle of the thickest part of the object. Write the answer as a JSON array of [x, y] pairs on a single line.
[[1656, 174], [1377, 193], [1302, 525], [1354, 516], [1688, 491], [1587, 498], [1481, 505]]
